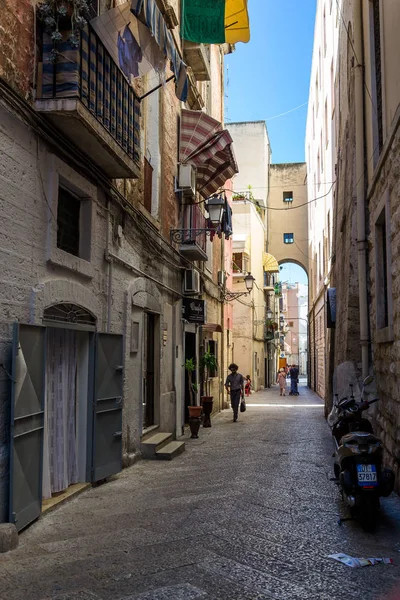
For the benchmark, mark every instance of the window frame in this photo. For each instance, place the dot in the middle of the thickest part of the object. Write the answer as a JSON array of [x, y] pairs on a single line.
[[285, 238], [383, 270], [286, 198]]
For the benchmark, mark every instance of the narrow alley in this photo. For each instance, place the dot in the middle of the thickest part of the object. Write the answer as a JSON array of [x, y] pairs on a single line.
[[247, 512]]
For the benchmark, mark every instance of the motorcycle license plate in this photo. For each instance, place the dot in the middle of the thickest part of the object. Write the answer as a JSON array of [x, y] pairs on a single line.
[[367, 475]]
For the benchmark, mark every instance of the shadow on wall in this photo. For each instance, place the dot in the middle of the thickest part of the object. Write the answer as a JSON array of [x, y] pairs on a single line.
[[5, 395]]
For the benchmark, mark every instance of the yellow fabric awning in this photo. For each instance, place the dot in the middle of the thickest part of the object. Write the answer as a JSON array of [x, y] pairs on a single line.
[[237, 26], [270, 263]]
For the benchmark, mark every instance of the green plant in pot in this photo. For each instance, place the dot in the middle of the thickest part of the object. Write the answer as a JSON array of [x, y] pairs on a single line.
[[190, 367], [209, 364]]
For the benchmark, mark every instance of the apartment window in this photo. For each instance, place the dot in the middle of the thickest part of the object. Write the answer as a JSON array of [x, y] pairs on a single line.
[[319, 262], [326, 124], [329, 233], [376, 78], [240, 262], [322, 153], [324, 31], [313, 122], [288, 197], [288, 238], [383, 284], [73, 223], [148, 185]]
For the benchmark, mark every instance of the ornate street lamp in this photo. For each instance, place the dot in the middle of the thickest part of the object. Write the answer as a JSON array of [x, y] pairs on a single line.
[[269, 314], [249, 283], [215, 207]]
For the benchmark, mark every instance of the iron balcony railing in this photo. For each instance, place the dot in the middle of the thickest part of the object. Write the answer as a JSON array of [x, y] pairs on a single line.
[[90, 74], [194, 226]]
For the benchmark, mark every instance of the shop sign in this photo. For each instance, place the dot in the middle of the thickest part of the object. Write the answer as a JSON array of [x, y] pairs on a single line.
[[193, 310]]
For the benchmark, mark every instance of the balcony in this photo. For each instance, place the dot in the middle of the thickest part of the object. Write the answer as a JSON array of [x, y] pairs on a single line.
[[90, 101], [193, 244], [269, 282], [195, 99], [197, 56]]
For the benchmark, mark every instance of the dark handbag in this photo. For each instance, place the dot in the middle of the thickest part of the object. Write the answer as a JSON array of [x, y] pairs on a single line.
[[243, 406]]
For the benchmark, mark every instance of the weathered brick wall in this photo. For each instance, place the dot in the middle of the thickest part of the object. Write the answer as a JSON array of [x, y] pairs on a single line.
[[17, 44], [386, 356]]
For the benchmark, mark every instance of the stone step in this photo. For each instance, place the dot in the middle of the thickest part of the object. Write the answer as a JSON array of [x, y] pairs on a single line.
[[153, 443], [171, 450]]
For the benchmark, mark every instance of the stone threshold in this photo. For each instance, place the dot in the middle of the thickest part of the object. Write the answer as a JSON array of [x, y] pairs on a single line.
[[73, 490]]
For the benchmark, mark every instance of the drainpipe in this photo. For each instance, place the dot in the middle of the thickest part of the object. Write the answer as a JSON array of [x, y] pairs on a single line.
[[110, 267], [360, 189]]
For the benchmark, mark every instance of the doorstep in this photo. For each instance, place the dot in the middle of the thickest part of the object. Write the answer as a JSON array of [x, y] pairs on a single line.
[[50, 503]]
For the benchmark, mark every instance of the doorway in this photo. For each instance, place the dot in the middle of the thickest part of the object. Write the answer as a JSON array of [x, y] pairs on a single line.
[[148, 375], [65, 410], [190, 352]]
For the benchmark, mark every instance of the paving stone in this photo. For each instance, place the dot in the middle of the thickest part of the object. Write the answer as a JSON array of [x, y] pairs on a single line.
[[248, 512]]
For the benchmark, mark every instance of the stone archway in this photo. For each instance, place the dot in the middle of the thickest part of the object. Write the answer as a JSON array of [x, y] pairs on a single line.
[[63, 291]]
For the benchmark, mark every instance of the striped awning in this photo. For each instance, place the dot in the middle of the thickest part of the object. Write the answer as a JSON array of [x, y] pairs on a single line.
[[270, 263], [149, 13], [204, 144]]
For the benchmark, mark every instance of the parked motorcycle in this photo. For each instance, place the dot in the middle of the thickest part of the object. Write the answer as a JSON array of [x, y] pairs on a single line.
[[358, 458]]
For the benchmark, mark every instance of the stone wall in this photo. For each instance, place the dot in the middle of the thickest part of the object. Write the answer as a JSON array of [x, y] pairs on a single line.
[[36, 274], [386, 355]]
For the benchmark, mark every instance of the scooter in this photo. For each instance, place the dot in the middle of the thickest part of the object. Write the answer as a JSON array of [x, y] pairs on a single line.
[[358, 459]]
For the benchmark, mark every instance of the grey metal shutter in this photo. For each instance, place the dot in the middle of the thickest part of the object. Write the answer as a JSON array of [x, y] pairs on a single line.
[[27, 412], [107, 418]]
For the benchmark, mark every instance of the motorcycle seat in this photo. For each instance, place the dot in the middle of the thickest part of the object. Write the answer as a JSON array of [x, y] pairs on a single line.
[[360, 437]]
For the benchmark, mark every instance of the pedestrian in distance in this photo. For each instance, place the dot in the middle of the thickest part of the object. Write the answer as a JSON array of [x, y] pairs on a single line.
[[247, 386], [294, 380], [282, 382], [234, 385]]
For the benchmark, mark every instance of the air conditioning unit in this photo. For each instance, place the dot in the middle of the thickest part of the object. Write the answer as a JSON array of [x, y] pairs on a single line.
[[221, 278], [187, 180], [191, 282]]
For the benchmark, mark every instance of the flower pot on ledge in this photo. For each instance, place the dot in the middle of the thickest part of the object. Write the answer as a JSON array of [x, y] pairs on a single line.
[[207, 403]]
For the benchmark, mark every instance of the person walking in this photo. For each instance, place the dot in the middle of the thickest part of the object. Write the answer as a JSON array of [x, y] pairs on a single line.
[[282, 382], [294, 379], [234, 385], [247, 386]]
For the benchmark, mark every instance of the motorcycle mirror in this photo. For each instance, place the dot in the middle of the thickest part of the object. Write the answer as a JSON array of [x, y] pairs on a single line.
[[369, 379]]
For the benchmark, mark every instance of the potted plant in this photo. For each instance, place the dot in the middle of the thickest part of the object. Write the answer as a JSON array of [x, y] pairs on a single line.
[[210, 365], [194, 410]]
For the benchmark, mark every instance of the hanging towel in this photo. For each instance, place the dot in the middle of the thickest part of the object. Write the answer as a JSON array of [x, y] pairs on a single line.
[[129, 53]]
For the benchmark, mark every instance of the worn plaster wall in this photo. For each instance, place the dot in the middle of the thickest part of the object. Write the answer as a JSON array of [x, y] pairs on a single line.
[[288, 177]]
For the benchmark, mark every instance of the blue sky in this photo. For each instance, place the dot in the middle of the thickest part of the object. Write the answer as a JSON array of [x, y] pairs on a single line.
[[270, 75]]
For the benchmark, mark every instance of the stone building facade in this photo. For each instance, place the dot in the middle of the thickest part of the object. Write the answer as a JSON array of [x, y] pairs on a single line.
[[366, 259], [87, 261]]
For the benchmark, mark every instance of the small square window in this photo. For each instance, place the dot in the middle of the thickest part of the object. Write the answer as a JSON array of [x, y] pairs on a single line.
[[73, 223], [68, 220], [288, 196], [288, 238]]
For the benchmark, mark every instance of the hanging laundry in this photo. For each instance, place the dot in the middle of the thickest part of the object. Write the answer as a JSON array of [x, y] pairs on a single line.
[[227, 221], [129, 53]]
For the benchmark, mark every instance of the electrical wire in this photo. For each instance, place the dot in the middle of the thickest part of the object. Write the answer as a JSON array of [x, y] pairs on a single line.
[[287, 112]]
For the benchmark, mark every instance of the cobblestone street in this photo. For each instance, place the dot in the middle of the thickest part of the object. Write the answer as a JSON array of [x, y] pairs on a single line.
[[247, 512]]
